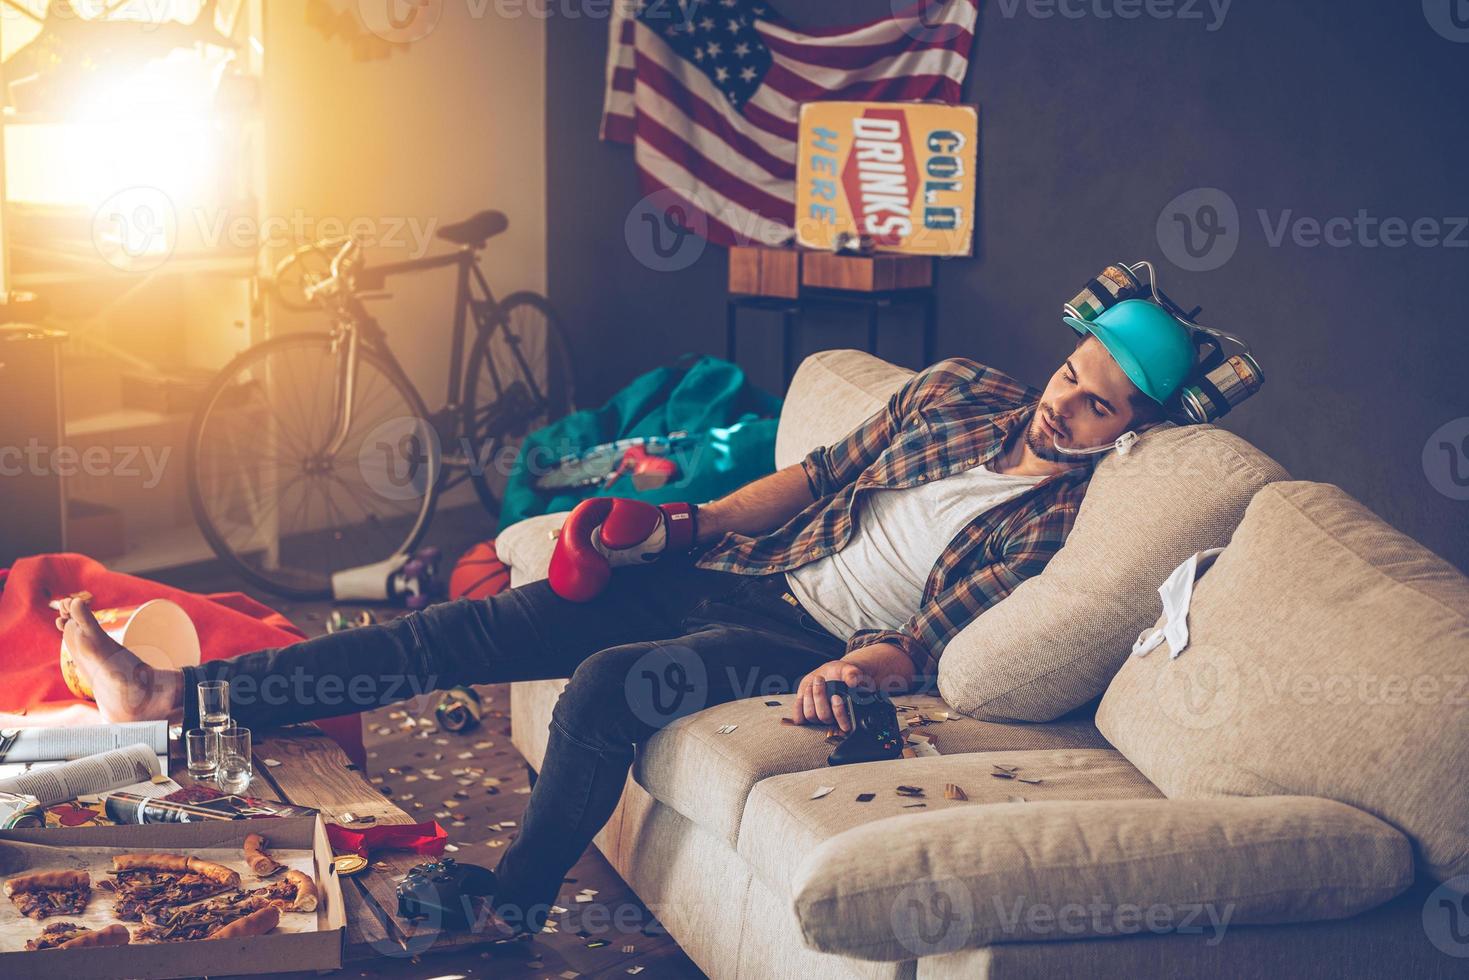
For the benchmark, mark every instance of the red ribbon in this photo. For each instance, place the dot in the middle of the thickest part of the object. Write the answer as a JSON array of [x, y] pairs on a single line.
[[420, 838]]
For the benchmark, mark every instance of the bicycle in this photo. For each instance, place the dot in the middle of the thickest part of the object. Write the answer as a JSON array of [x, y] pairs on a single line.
[[312, 453]]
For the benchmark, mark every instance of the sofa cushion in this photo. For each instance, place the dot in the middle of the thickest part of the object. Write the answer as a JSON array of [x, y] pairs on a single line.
[[1071, 870], [1328, 656], [708, 777], [782, 824], [1055, 642], [832, 393]]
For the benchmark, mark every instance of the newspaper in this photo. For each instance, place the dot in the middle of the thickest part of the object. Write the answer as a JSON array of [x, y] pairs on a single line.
[[63, 744], [134, 768]]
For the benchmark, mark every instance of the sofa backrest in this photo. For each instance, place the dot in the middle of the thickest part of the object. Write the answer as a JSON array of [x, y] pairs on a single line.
[[1054, 643], [1328, 656], [832, 393]]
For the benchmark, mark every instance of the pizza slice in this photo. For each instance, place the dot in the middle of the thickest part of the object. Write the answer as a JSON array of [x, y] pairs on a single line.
[[173, 925], [296, 890], [150, 882], [69, 935], [48, 893]]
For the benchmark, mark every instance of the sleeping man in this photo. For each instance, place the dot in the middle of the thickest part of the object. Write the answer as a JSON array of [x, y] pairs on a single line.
[[858, 564]]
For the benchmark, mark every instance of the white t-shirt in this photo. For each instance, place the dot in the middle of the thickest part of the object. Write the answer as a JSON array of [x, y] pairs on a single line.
[[877, 580]]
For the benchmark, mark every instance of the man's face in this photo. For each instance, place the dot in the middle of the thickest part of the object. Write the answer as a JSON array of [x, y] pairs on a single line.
[[1087, 403]]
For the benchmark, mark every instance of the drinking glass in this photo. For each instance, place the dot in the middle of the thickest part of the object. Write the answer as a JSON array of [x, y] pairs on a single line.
[[235, 765], [214, 705], [201, 751]]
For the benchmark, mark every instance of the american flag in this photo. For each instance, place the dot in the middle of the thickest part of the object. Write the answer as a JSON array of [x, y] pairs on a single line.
[[709, 93]]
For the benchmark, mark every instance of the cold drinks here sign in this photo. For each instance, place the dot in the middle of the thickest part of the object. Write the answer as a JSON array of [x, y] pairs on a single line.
[[899, 173]]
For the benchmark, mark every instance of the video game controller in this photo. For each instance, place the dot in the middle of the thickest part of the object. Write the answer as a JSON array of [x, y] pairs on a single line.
[[875, 733], [444, 890]]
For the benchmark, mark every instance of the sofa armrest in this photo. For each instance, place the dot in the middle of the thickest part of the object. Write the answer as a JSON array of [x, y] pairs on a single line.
[[973, 876], [526, 546]]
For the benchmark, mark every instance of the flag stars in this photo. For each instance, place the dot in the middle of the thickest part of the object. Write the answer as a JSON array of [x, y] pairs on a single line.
[[706, 24], [747, 74], [721, 75], [713, 49], [742, 50], [734, 26]]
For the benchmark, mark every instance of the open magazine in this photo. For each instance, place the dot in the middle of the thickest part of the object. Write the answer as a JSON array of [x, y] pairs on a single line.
[[56, 764]]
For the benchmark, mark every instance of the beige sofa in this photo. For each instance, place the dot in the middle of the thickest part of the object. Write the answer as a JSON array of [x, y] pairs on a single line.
[[1283, 798]]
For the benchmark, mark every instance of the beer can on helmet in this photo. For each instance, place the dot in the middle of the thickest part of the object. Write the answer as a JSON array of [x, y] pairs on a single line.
[[1110, 287], [1212, 396]]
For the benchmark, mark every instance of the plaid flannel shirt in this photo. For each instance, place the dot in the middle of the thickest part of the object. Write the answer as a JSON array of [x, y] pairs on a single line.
[[951, 417]]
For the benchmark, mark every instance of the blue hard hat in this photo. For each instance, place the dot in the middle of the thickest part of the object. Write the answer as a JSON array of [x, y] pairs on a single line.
[[1153, 349]]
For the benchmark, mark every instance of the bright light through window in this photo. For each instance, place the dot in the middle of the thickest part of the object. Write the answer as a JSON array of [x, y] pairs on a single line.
[[148, 123]]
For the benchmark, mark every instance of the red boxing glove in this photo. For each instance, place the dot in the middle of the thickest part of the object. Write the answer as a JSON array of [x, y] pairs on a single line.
[[603, 533]]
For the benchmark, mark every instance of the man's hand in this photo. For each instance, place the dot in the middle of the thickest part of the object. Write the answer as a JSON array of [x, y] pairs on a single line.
[[812, 703]]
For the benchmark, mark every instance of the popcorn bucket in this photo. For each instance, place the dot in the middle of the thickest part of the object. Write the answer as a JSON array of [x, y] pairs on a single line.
[[159, 632]]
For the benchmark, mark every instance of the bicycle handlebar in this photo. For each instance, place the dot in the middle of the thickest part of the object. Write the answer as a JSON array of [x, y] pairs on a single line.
[[342, 263]]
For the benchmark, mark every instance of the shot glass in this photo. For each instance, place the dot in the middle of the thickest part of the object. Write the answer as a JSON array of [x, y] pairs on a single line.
[[214, 705], [201, 752], [235, 766]]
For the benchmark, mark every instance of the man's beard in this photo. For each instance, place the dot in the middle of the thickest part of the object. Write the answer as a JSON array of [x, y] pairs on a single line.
[[1040, 442]]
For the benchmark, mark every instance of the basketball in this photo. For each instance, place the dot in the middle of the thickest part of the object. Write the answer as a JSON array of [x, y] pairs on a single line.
[[479, 573]]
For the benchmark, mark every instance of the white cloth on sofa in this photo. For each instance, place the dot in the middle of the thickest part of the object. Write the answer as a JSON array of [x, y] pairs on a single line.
[[876, 581], [1177, 592]]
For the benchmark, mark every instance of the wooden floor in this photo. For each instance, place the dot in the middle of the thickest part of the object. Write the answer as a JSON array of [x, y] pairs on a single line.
[[411, 761]]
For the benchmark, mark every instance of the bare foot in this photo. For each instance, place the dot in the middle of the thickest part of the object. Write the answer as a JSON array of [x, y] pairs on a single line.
[[125, 688]]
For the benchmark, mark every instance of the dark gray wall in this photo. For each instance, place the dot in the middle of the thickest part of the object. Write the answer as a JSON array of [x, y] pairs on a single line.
[[1090, 127]]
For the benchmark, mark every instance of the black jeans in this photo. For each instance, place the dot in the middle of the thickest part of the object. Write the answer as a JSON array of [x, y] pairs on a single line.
[[662, 642]]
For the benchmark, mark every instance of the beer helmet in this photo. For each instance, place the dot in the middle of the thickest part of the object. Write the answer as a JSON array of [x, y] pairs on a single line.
[[1171, 357]]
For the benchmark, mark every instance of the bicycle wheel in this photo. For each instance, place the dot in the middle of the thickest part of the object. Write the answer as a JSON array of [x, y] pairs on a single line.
[[502, 402], [270, 495]]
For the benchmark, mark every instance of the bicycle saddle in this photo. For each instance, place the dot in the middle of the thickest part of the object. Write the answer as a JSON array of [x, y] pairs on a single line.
[[477, 230]]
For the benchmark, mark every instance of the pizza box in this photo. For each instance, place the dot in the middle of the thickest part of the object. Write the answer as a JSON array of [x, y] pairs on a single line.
[[276, 952]]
